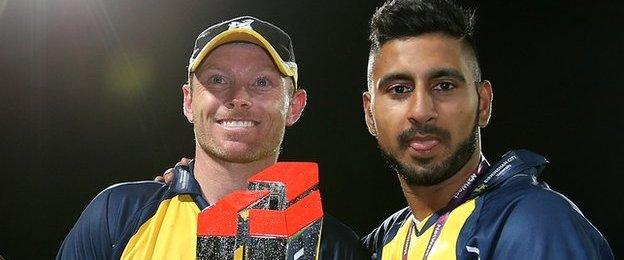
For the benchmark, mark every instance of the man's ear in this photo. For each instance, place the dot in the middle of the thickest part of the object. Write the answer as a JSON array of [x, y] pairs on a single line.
[[187, 102], [485, 102], [297, 104], [368, 113]]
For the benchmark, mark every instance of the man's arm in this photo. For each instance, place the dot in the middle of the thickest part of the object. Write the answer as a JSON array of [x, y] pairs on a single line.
[[89, 238], [546, 225]]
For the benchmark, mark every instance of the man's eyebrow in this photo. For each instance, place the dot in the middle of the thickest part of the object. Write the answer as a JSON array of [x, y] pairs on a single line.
[[398, 76], [446, 72]]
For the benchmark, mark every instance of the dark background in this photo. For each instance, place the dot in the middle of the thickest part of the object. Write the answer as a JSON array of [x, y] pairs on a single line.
[[90, 96]]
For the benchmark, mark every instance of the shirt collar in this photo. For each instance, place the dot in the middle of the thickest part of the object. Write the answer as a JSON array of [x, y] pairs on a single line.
[[513, 163], [184, 180]]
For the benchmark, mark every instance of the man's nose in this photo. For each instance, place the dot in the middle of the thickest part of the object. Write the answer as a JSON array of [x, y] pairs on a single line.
[[422, 107], [239, 98]]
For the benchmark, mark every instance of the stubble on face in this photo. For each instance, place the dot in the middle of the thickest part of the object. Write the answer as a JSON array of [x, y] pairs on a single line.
[[429, 173], [212, 147]]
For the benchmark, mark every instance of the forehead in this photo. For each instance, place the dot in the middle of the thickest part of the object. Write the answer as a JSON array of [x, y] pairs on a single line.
[[239, 55], [418, 55]]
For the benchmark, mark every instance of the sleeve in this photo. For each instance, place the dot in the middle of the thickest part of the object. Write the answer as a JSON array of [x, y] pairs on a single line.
[[546, 225], [373, 242], [339, 242], [89, 238]]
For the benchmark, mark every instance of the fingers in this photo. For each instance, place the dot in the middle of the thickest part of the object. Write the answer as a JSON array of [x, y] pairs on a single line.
[[163, 178], [184, 161], [167, 176]]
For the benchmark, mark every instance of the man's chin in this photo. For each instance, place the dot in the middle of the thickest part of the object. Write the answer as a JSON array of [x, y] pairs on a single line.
[[424, 162], [237, 157], [230, 152], [422, 174], [419, 170], [237, 153]]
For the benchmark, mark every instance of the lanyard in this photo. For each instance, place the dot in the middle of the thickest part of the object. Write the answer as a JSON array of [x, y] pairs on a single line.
[[460, 196]]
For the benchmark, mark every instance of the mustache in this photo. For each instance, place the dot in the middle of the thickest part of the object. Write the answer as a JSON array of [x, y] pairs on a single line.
[[422, 129]]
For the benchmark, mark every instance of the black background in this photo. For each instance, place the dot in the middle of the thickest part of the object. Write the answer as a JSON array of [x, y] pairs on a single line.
[[90, 96]]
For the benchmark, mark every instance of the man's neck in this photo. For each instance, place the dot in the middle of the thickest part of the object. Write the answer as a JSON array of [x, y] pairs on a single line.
[[424, 200], [218, 178]]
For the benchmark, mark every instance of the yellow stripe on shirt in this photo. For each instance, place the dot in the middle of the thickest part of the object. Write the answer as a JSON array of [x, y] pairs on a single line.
[[444, 247], [171, 233]]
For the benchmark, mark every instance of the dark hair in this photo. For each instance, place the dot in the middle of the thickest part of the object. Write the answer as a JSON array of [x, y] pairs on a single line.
[[403, 18]]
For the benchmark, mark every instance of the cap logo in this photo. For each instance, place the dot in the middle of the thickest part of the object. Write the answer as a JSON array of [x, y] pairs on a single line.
[[241, 24]]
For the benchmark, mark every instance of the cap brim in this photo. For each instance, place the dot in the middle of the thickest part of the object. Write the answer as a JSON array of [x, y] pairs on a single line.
[[246, 35]]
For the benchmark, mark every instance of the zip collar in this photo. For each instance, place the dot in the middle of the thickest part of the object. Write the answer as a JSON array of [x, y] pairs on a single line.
[[184, 182]]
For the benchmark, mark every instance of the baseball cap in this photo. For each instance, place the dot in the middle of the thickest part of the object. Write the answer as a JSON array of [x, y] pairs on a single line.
[[248, 29]]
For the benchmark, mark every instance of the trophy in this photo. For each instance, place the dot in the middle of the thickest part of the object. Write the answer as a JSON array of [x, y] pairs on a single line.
[[279, 216]]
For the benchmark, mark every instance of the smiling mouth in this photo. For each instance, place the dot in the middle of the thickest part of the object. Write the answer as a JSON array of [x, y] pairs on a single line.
[[237, 124]]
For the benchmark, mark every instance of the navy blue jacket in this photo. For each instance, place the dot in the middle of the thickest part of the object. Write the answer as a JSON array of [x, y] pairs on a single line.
[[154, 220], [511, 215]]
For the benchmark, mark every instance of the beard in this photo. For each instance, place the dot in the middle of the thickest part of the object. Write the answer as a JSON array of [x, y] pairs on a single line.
[[432, 174], [249, 155]]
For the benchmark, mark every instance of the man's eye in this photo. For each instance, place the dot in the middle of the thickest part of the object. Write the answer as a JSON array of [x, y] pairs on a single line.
[[398, 89], [217, 79], [262, 82], [444, 86]]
